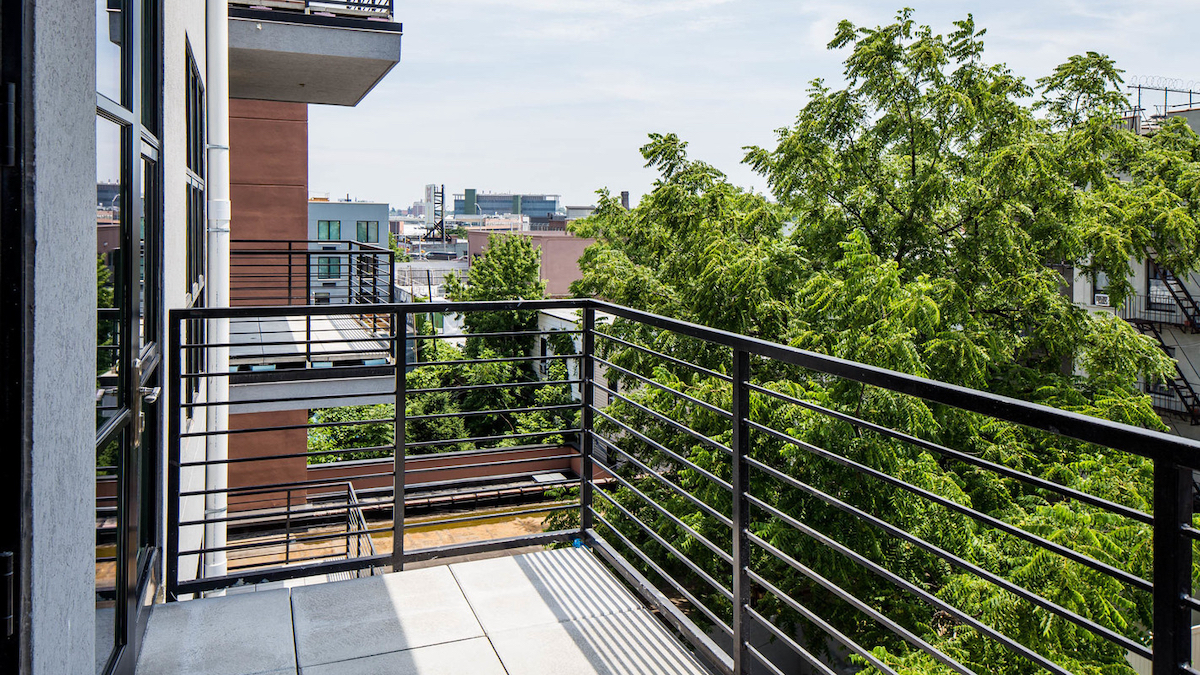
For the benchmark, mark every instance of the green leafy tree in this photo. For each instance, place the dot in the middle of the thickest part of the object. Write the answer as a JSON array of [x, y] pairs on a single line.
[[917, 216], [509, 270]]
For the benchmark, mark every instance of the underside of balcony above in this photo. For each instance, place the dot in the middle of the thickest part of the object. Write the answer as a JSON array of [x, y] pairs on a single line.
[[302, 52]]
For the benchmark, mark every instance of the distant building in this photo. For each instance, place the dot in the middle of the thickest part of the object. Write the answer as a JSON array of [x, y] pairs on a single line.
[[344, 226], [575, 212], [560, 256], [471, 203], [1164, 306], [363, 222]]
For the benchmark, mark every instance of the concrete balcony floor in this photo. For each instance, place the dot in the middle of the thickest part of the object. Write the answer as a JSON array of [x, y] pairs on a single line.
[[543, 613]]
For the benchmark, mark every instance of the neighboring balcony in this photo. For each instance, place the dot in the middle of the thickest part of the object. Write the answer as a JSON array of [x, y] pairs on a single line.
[[661, 457], [310, 51]]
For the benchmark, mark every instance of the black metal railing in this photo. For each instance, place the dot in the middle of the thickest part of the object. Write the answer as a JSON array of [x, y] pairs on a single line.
[[714, 498], [264, 273], [1159, 309], [373, 9]]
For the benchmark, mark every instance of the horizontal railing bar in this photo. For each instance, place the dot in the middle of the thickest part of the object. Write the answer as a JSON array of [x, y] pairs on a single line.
[[687, 562], [821, 623], [431, 485], [246, 546], [293, 343], [672, 359], [288, 455], [488, 516], [426, 444], [306, 510], [717, 550], [289, 399], [288, 427], [455, 550], [407, 307], [501, 385], [691, 399], [505, 411], [1084, 497], [787, 640], [879, 617], [514, 333], [337, 372], [666, 420], [991, 521], [670, 453], [696, 501], [481, 465], [763, 659], [248, 490], [679, 588], [280, 573], [506, 359]]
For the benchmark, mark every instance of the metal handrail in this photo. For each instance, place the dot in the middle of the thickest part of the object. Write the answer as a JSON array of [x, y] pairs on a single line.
[[735, 573]]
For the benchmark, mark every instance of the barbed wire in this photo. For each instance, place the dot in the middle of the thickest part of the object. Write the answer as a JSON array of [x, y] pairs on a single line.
[[1161, 82]]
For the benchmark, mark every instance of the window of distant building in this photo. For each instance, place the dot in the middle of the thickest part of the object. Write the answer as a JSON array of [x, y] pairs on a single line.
[[368, 231], [328, 267], [1100, 288], [329, 230]]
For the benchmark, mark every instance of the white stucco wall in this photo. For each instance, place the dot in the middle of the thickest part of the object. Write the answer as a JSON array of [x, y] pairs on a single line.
[[60, 566]]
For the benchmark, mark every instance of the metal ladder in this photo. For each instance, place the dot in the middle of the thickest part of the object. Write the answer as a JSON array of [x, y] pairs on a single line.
[[1178, 292], [1180, 385]]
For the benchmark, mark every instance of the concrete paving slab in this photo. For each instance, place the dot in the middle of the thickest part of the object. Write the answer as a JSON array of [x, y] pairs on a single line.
[[233, 635], [629, 643], [350, 619], [474, 656], [539, 588]]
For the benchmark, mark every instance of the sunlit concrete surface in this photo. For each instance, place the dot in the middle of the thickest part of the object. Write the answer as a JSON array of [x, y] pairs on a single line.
[[544, 613]]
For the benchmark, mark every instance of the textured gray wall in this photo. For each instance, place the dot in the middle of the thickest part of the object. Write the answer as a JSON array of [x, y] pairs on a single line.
[[62, 628]]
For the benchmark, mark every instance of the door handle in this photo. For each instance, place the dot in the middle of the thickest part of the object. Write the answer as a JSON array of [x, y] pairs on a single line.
[[150, 394]]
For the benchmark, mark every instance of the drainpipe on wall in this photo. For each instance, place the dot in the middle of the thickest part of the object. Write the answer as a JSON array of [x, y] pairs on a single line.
[[217, 284]]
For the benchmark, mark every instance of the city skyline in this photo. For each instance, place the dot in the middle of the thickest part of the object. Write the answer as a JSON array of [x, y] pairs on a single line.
[[557, 96]]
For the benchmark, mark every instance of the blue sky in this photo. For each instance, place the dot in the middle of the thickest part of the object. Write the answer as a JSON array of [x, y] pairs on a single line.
[[557, 95]]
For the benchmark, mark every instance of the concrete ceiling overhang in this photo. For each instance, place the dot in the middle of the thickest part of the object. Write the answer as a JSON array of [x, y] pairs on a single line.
[[334, 63]]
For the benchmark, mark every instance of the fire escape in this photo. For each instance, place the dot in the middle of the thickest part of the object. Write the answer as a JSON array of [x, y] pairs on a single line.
[[1148, 316]]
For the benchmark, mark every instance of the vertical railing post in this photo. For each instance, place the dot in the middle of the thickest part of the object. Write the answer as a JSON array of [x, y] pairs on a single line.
[[290, 284], [1172, 567], [287, 528], [400, 320], [741, 517], [175, 384], [308, 300], [586, 396]]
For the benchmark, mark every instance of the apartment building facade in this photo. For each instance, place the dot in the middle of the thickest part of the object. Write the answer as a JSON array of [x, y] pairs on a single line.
[[1165, 305], [129, 102]]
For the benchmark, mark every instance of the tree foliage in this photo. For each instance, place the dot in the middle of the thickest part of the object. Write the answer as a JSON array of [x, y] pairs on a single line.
[[920, 220], [509, 271]]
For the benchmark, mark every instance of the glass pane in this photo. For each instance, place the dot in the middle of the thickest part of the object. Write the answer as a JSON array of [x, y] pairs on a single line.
[[110, 41], [108, 268], [145, 248], [362, 230], [107, 485]]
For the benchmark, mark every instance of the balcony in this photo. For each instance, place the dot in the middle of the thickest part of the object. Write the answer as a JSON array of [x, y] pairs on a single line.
[[310, 51], [684, 475]]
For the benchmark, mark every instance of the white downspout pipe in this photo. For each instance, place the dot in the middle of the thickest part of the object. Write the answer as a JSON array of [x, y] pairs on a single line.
[[217, 284]]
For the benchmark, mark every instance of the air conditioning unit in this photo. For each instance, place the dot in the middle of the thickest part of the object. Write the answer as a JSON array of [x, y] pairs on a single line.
[[1100, 299]]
